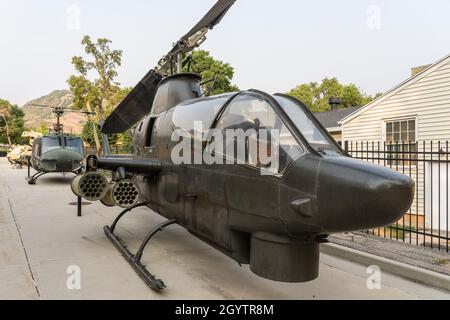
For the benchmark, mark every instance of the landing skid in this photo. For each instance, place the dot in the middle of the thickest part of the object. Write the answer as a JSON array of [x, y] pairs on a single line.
[[32, 180], [135, 259]]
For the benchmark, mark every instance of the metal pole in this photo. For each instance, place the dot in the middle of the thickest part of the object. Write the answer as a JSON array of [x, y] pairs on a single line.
[[179, 63], [79, 206], [28, 164]]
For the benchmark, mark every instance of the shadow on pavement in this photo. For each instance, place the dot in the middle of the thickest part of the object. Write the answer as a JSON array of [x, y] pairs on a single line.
[[55, 180]]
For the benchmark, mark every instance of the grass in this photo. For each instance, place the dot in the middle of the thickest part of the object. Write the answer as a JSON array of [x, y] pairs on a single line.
[[399, 232], [441, 262]]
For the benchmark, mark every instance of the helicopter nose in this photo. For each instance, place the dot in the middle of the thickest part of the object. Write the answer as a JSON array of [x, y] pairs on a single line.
[[390, 199], [356, 195]]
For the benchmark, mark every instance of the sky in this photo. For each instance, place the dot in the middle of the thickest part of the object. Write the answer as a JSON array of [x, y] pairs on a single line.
[[273, 45]]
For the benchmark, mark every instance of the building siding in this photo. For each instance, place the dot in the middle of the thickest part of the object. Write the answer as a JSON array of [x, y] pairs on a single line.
[[427, 100]]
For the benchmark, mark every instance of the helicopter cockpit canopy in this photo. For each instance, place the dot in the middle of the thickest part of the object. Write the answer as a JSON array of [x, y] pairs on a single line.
[[74, 143], [287, 121], [50, 143], [307, 125]]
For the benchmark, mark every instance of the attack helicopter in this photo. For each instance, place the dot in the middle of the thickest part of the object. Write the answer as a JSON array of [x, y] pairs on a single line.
[[271, 215], [56, 152]]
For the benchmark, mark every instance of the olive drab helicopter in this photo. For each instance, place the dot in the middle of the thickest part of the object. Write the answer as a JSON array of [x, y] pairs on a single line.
[[272, 216], [56, 152]]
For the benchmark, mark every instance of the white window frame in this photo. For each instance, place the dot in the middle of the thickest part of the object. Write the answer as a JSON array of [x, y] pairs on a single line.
[[384, 122]]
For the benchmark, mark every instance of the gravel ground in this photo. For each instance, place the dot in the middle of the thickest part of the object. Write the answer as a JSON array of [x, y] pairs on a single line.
[[431, 259]]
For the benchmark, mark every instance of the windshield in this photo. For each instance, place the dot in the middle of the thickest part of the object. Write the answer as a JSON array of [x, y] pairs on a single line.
[[75, 144], [50, 144], [305, 124], [203, 112]]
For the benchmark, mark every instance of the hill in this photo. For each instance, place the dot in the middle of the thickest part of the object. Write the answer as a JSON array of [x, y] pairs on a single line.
[[36, 116]]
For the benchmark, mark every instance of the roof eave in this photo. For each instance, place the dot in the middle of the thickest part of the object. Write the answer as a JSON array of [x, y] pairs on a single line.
[[394, 90]]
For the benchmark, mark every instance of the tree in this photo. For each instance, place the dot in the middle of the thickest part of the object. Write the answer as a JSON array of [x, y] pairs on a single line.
[[87, 134], [43, 128], [12, 123], [316, 96], [103, 63], [209, 68], [4, 124], [94, 95]]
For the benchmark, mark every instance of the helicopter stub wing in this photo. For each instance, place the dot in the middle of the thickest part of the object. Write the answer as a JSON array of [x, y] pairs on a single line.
[[139, 166]]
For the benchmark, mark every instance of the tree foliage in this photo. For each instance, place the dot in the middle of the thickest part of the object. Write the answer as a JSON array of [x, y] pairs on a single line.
[[101, 63], [87, 134], [16, 124], [210, 68], [43, 129], [95, 84], [125, 139], [316, 95]]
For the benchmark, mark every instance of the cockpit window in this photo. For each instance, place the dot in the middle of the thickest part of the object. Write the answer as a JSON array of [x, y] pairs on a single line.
[[305, 125], [75, 144], [254, 134], [50, 143], [195, 114]]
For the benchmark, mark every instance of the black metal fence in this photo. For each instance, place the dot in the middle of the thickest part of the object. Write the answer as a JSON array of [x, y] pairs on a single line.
[[426, 223]]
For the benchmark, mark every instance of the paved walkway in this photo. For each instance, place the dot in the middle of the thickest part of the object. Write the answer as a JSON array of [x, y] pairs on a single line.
[[40, 237]]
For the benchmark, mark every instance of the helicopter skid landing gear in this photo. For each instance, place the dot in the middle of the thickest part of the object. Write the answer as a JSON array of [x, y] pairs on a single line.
[[32, 180], [135, 259]]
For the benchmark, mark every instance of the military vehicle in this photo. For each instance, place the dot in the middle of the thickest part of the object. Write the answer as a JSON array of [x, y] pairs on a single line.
[[17, 155], [272, 216], [56, 152]]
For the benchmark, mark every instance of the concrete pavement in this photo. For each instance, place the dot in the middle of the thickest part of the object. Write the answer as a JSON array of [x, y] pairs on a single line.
[[41, 237]]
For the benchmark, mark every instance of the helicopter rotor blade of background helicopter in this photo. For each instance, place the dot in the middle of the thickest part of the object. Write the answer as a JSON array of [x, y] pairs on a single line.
[[41, 106], [64, 109], [139, 101], [82, 112]]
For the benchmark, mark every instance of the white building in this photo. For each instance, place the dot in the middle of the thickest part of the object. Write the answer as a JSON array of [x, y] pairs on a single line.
[[406, 119]]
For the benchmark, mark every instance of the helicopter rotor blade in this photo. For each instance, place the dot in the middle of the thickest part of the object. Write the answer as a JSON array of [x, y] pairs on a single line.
[[139, 101], [62, 110], [136, 105], [82, 112], [50, 107], [197, 35], [41, 106], [212, 18]]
